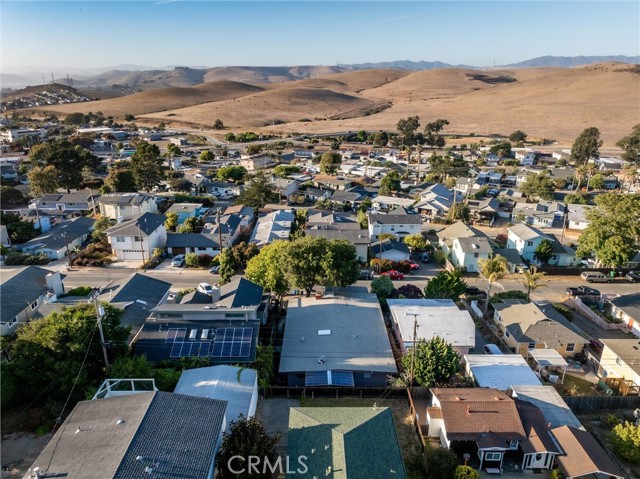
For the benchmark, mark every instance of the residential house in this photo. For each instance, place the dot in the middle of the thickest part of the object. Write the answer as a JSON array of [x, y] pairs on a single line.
[[237, 386], [610, 163], [388, 203], [332, 182], [126, 205], [186, 210], [315, 194], [478, 420], [356, 237], [466, 252], [9, 173], [346, 198], [357, 442], [61, 238], [499, 371], [436, 200], [246, 214], [433, 317], [464, 186], [257, 162], [583, 456], [542, 214], [329, 218], [222, 188], [577, 216], [135, 295], [525, 239], [222, 326], [228, 230], [399, 222], [619, 365], [77, 203], [285, 187], [136, 435], [338, 339], [546, 398], [390, 249], [272, 227], [529, 326], [456, 230], [514, 260], [198, 243], [484, 210], [135, 238], [540, 450], [23, 290], [627, 308]]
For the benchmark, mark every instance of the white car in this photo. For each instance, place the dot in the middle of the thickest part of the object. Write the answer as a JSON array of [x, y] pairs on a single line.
[[205, 288], [178, 260]]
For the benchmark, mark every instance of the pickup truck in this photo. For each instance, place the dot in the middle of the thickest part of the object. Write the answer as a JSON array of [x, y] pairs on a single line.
[[582, 291]]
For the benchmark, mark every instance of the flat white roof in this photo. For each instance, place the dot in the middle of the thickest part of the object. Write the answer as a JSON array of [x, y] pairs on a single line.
[[548, 357], [228, 383], [435, 317], [500, 371]]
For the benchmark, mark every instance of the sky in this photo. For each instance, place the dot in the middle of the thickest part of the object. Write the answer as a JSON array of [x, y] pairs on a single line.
[[157, 33]]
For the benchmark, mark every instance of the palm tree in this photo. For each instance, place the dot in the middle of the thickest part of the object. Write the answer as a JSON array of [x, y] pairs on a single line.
[[532, 281], [492, 269], [591, 169]]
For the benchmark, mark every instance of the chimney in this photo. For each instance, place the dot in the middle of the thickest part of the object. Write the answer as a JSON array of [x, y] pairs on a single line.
[[54, 281], [215, 293]]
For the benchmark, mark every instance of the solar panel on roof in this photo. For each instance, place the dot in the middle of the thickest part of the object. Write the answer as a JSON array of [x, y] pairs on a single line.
[[175, 350], [180, 334], [342, 378], [171, 335], [232, 343]]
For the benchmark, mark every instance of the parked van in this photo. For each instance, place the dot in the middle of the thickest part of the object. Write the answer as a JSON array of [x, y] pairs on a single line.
[[595, 277], [492, 349]]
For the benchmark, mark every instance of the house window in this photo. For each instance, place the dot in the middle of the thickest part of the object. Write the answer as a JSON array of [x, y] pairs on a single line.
[[34, 305], [475, 255], [532, 346], [513, 444], [136, 238], [506, 333], [529, 243], [12, 321], [119, 239], [492, 456], [234, 315], [570, 347], [554, 257]]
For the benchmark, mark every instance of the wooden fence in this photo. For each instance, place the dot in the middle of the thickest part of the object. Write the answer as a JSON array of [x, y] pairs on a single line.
[[607, 403]]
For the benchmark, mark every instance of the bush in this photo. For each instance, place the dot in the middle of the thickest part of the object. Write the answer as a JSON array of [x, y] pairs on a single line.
[[403, 266], [440, 257], [466, 472], [80, 291], [442, 463], [382, 286], [612, 421], [381, 265], [564, 310], [191, 260], [515, 294], [409, 291], [556, 474], [625, 440], [15, 259], [204, 260]]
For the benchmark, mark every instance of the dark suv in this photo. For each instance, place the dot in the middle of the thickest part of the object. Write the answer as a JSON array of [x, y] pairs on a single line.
[[365, 274]]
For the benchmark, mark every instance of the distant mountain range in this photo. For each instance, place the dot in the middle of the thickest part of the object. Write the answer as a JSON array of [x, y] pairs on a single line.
[[144, 77]]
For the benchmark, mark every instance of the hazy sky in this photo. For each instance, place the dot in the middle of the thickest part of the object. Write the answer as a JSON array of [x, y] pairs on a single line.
[[88, 34]]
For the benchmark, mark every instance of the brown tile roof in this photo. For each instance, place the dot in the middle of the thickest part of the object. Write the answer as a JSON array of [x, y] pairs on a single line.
[[583, 454], [434, 412], [487, 415], [538, 433]]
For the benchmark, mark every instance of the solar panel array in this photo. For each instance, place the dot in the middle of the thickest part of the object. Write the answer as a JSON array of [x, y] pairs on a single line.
[[221, 343], [232, 343], [328, 378]]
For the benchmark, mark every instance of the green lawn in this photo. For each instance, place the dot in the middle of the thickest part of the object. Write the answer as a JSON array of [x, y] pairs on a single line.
[[574, 386], [409, 441]]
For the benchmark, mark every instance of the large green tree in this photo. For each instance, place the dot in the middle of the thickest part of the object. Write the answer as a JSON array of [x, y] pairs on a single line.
[[121, 180], [340, 263], [538, 186], [544, 251], [258, 192], [382, 286], [267, 269], [586, 146], [330, 162], [304, 262], [206, 156], [227, 266], [445, 285], [69, 160], [390, 182], [631, 145], [43, 180], [625, 439], [407, 128], [432, 135], [246, 438], [518, 137], [433, 362], [502, 149], [233, 173], [146, 166], [416, 242], [613, 233]]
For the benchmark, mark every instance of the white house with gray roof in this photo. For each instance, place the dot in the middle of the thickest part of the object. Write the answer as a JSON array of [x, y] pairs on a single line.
[[577, 216], [135, 238], [456, 230], [399, 222], [272, 227], [125, 205], [56, 242], [338, 339], [467, 252], [78, 202], [526, 239]]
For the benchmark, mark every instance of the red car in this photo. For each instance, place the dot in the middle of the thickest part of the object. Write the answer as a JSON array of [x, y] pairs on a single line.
[[393, 274], [413, 265]]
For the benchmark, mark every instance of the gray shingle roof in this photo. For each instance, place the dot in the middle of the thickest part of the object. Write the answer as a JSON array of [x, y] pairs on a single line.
[[240, 292], [475, 245], [104, 437], [147, 223], [526, 232], [353, 236], [389, 245], [20, 289], [123, 199], [629, 303], [192, 240], [58, 236], [395, 219]]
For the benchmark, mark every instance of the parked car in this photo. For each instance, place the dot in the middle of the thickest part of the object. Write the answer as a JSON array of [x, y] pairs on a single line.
[[583, 291], [365, 274], [632, 277], [425, 257], [473, 291], [393, 274], [214, 269], [178, 260], [205, 288], [491, 349], [595, 277], [413, 264]]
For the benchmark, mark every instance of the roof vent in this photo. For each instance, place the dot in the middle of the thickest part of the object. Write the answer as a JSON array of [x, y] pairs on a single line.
[[120, 422]]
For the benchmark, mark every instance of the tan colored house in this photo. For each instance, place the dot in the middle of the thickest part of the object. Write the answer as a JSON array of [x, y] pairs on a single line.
[[620, 365], [529, 326]]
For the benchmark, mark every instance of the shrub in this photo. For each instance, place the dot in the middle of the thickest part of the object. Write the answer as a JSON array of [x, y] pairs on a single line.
[[442, 463], [514, 294], [382, 286], [204, 260], [191, 260], [564, 310], [612, 421], [440, 257], [625, 439], [80, 291], [402, 266], [158, 252], [466, 472], [381, 265], [409, 291], [15, 258]]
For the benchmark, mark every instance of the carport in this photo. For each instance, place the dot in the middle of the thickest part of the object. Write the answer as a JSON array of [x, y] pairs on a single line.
[[548, 358]]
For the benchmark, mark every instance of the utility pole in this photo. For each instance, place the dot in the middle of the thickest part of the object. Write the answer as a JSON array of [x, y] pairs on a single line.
[[219, 229], [415, 342], [99, 315], [68, 250], [144, 266]]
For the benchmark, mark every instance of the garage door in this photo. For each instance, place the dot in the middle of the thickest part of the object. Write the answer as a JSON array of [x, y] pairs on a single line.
[[178, 250], [131, 255]]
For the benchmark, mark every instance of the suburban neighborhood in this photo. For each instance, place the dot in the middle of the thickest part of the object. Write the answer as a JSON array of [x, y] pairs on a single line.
[[414, 302]]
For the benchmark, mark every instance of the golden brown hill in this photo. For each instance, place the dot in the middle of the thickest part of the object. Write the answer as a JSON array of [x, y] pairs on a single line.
[[162, 99], [271, 107]]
